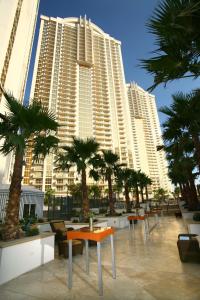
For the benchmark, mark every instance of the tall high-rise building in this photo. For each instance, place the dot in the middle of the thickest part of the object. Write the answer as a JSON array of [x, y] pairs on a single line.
[[146, 135], [79, 75], [17, 26]]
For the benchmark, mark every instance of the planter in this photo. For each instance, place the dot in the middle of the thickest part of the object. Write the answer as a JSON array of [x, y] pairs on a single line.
[[44, 227], [100, 223], [117, 222], [20, 256], [194, 228]]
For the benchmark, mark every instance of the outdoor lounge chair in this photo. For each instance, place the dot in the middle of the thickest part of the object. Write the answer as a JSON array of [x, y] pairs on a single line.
[[188, 247], [61, 238]]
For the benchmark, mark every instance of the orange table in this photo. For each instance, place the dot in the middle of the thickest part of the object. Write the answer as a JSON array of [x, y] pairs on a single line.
[[141, 218], [98, 234]]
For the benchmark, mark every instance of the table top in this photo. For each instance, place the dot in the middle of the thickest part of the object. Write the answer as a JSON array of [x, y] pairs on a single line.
[[97, 234], [136, 218]]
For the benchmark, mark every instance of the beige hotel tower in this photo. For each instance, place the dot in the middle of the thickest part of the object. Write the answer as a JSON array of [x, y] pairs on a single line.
[[146, 134], [79, 75], [17, 27]]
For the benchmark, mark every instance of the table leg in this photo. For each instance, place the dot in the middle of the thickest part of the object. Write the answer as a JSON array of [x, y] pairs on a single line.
[[113, 256], [87, 256], [70, 265], [145, 229], [157, 219], [100, 282], [147, 225]]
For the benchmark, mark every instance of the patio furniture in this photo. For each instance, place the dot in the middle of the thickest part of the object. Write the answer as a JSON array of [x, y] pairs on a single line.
[[144, 218], [60, 230], [98, 234], [188, 247], [61, 238], [77, 248]]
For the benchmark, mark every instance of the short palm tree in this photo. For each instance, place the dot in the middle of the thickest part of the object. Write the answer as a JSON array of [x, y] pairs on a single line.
[[175, 25], [134, 181], [160, 195], [108, 168], [83, 155], [124, 179], [20, 127], [144, 181]]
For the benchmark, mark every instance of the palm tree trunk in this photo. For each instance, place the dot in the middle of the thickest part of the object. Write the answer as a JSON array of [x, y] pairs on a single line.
[[127, 198], [196, 141], [182, 191], [110, 193], [141, 191], [187, 192], [137, 196], [85, 202], [146, 193], [11, 227], [193, 202]]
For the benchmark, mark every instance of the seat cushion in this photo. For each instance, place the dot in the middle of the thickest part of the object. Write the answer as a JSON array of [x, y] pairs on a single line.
[[58, 225], [77, 247]]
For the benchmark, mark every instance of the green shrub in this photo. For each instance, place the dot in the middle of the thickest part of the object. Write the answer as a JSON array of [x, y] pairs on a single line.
[[196, 217], [102, 210], [40, 220], [32, 231]]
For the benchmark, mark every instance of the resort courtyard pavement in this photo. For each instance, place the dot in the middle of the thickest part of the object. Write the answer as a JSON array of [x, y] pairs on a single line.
[[145, 271]]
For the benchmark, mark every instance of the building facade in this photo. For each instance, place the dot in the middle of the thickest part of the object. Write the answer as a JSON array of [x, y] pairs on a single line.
[[79, 76], [17, 26], [146, 134]]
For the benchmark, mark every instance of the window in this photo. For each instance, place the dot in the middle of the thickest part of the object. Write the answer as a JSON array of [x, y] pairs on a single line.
[[29, 210], [26, 210], [32, 210]]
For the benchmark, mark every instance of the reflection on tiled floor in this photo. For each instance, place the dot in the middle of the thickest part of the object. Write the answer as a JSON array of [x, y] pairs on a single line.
[[145, 271]]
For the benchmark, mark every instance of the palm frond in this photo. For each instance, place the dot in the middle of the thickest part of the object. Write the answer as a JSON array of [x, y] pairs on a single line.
[[43, 145]]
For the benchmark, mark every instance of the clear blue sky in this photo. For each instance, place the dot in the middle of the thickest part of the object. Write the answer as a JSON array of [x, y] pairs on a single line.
[[124, 20]]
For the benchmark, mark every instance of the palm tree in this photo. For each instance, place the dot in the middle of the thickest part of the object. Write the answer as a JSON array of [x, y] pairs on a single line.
[[49, 194], [175, 25], [109, 166], [83, 155], [134, 181], [75, 190], [184, 114], [180, 154], [141, 183], [144, 181], [94, 191], [160, 195], [124, 179], [21, 127]]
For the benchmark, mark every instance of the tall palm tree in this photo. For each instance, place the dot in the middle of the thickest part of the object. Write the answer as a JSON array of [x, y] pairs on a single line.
[[109, 165], [21, 127], [183, 114], [180, 154], [175, 25], [82, 154]]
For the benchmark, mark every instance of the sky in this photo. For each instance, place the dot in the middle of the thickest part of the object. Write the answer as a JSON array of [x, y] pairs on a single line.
[[125, 20]]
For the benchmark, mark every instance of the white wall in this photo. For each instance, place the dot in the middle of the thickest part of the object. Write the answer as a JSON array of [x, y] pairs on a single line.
[[20, 258]]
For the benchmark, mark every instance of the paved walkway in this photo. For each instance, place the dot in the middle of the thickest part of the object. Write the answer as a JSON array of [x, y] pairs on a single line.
[[145, 271]]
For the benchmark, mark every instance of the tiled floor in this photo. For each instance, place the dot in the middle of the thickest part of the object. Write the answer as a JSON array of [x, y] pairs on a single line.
[[145, 271]]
